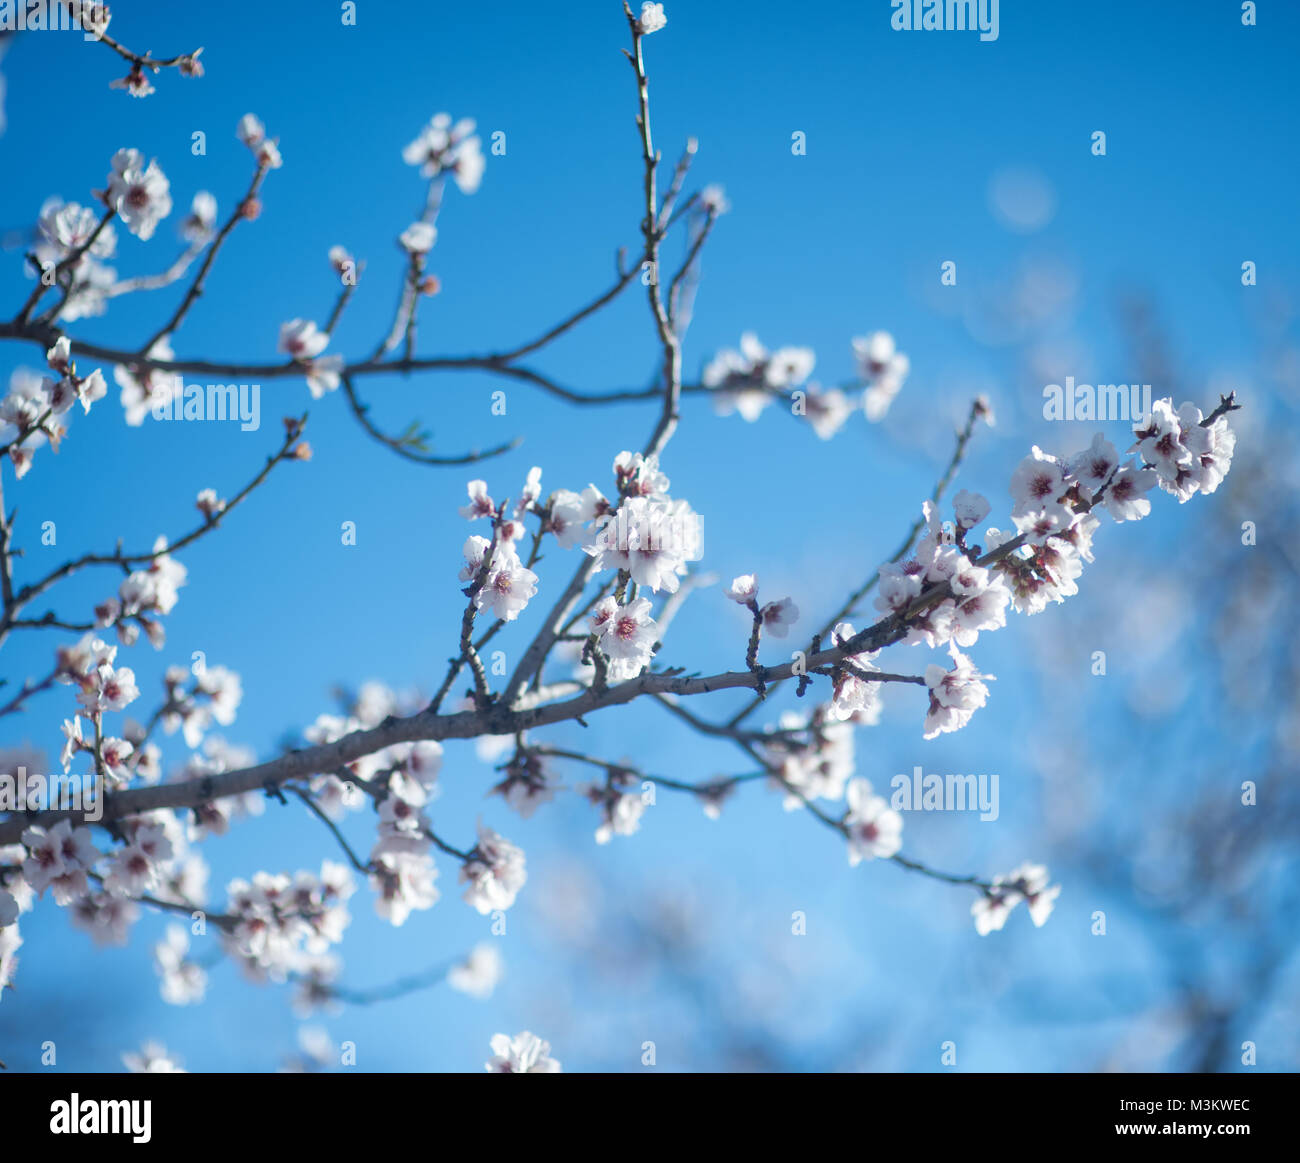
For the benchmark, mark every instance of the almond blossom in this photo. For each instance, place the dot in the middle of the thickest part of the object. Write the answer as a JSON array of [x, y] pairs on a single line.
[[779, 616], [403, 883], [59, 859], [955, 694], [1028, 883], [184, 981], [494, 873], [1187, 456], [479, 973], [303, 343], [146, 388], [1038, 481], [855, 695], [827, 411], [746, 381], [652, 538], [1125, 499], [523, 1054], [525, 786], [153, 1058], [873, 828], [139, 193], [569, 515], [814, 755], [446, 148], [626, 635], [202, 219], [252, 133], [508, 586], [652, 18], [883, 368], [418, 238], [135, 867], [743, 589], [620, 812], [10, 942]]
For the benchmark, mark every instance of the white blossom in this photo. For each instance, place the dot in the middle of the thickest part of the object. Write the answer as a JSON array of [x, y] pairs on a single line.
[[971, 509], [494, 873], [883, 368], [184, 982], [1027, 883], [479, 973], [779, 616], [1092, 467], [202, 220], [523, 1054], [59, 859], [10, 941], [746, 381], [652, 18], [827, 411], [955, 695], [153, 1058], [403, 882], [743, 589], [1037, 482], [139, 193], [508, 586], [626, 635], [419, 237], [621, 813], [1125, 499], [446, 148], [874, 829]]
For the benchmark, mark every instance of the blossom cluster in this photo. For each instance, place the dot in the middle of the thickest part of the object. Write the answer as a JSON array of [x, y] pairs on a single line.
[[303, 342], [813, 754], [773, 618], [747, 380], [494, 872], [403, 873], [525, 1053], [66, 237], [276, 922], [950, 589], [100, 889], [526, 785], [621, 807], [1054, 499], [650, 536], [625, 635], [501, 585], [139, 193], [31, 411], [444, 147], [1028, 883]]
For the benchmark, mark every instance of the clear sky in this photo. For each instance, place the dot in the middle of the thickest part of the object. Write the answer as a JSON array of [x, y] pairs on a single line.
[[908, 137]]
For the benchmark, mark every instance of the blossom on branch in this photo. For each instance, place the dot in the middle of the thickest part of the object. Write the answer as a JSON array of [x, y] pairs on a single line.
[[139, 193], [523, 1054]]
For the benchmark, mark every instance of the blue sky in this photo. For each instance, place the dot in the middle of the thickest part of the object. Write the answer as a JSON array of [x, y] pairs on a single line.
[[905, 132]]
